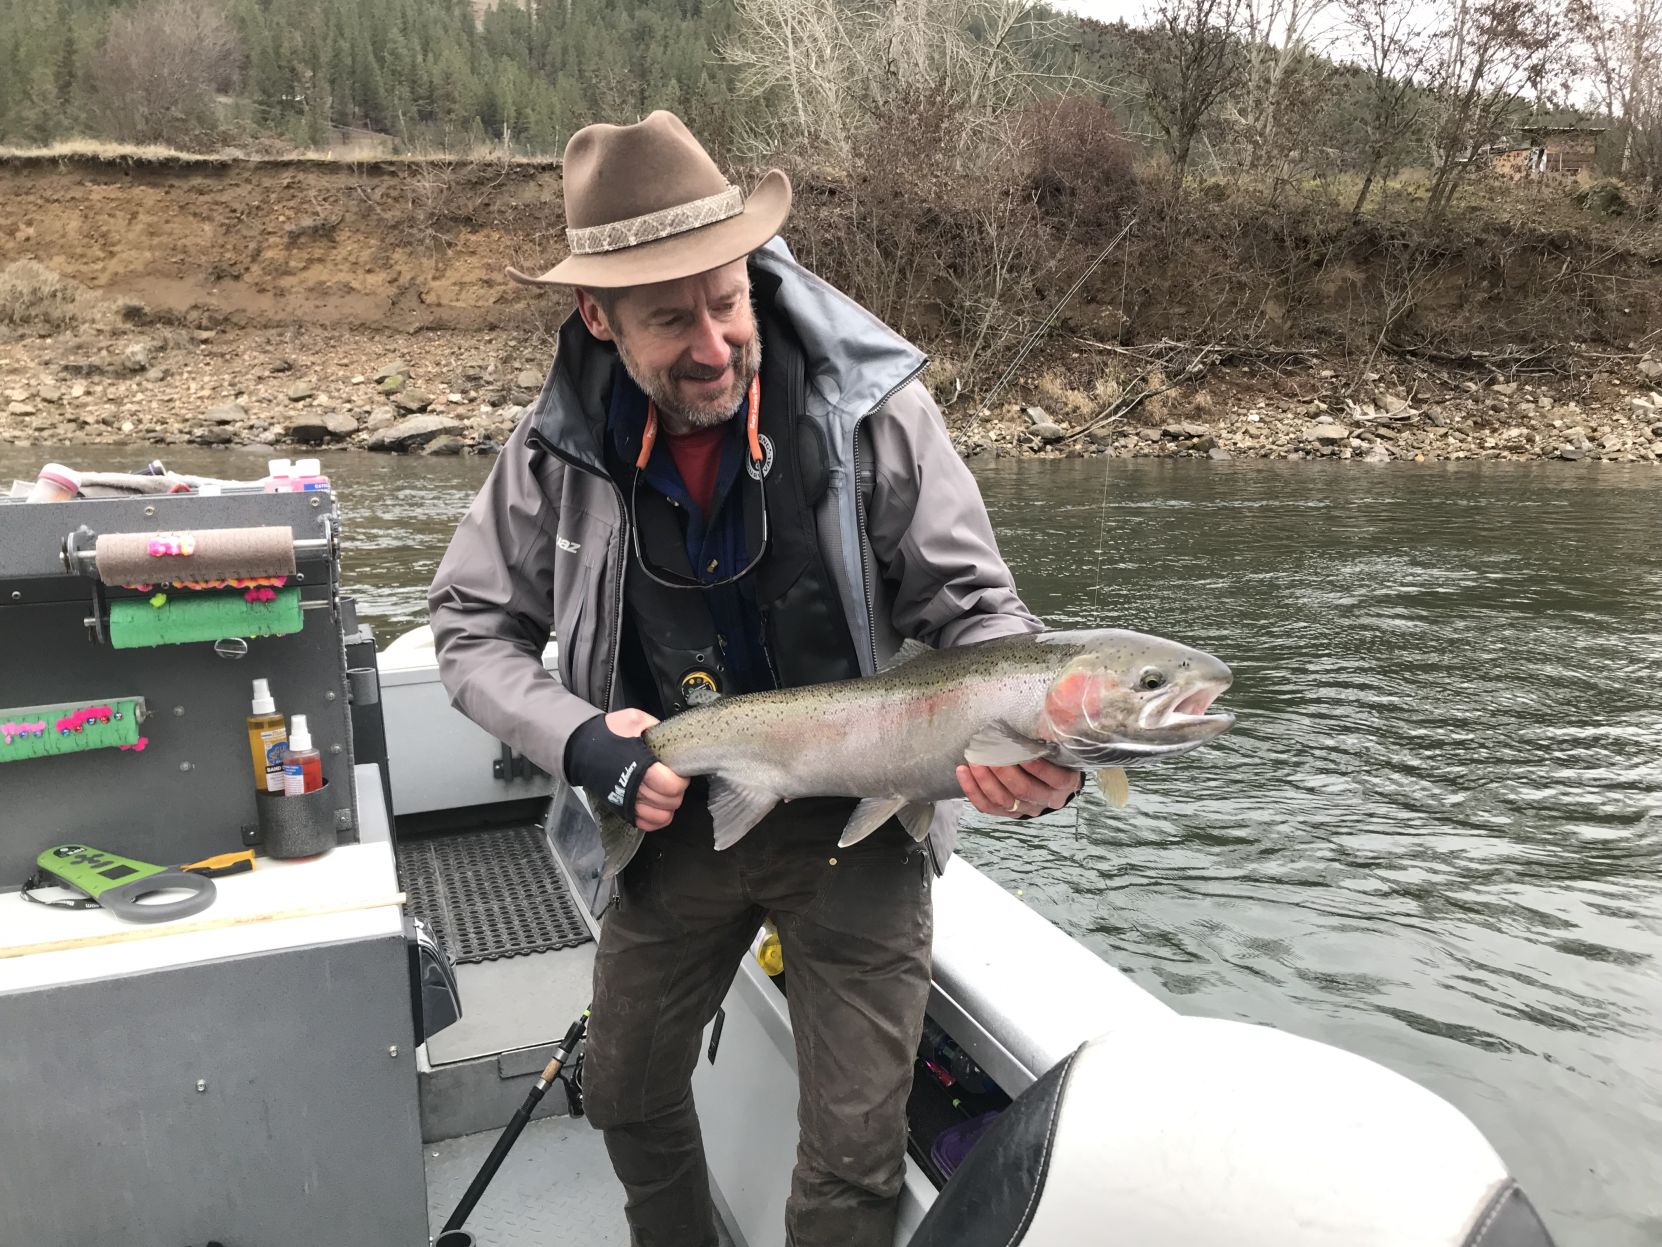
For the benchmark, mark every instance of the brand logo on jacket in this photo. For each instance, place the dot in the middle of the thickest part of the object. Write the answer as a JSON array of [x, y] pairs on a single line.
[[570, 547]]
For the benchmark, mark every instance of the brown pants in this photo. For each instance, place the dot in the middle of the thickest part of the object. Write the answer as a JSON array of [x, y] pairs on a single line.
[[855, 926]]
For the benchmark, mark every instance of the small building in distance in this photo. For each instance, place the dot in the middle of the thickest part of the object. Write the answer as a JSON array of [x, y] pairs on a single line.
[[1567, 152]]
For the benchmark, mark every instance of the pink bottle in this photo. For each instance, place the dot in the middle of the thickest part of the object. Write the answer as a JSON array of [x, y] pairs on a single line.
[[308, 475], [277, 478]]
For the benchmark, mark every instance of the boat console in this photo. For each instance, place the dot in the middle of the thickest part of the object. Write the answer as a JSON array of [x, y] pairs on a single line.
[[245, 1073]]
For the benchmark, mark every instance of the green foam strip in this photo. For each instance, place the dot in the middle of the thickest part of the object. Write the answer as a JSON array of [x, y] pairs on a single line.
[[187, 617], [52, 738]]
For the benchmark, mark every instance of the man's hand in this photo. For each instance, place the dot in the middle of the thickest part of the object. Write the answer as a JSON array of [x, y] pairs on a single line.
[[1028, 788], [661, 789]]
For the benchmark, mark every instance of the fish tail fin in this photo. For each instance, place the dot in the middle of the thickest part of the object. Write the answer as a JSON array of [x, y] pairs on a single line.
[[619, 840], [736, 807]]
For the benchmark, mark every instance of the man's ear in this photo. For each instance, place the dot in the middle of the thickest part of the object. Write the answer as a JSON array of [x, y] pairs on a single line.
[[594, 316]]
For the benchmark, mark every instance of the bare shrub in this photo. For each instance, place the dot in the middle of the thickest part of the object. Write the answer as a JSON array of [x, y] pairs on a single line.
[[426, 203], [1061, 399], [1078, 163], [32, 295], [942, 250], [161, 64]]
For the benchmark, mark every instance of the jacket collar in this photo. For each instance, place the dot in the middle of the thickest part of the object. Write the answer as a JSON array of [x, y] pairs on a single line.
[[854, 362]]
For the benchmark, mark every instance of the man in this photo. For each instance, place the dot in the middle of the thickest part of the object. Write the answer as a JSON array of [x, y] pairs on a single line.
[[732, 481]]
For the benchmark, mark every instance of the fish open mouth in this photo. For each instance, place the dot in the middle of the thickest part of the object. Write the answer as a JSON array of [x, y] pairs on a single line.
[[1186, 707], [1196, 703]]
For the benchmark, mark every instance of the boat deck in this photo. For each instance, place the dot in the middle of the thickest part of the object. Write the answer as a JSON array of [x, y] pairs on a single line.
[[555, 1187]]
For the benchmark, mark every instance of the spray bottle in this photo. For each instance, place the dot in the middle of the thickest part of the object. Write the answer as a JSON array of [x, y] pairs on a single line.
[[302, 765], [267, 739]]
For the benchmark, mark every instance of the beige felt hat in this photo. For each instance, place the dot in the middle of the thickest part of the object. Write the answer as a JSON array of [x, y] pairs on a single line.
[[645, 203]]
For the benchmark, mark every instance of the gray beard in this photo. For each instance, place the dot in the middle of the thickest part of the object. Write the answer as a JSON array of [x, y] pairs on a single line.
[[670, 414]]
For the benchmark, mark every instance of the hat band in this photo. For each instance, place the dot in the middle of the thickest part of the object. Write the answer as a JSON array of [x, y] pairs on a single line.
[[618, 235]]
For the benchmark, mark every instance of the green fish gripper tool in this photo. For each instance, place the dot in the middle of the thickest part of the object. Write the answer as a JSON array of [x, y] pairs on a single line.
[[117, 884]]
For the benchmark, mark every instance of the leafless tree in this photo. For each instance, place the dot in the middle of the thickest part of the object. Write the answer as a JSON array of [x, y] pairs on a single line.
[[1188, 62], [1644, 135], [830, 70], [1484, 57], [160, 66], [1392, 50], [1282, 77], [1621, 43]]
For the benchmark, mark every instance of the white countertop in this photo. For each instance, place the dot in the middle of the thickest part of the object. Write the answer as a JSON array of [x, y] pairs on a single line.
[[351, 875]]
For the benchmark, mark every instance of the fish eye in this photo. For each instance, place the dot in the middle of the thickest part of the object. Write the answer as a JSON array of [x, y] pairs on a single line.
[[1151, 679]]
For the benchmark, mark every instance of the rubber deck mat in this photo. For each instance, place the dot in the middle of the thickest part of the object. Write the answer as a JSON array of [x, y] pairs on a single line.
[[489, 894]]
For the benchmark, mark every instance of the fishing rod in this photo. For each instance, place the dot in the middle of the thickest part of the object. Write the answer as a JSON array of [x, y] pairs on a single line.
[[453, 1235]]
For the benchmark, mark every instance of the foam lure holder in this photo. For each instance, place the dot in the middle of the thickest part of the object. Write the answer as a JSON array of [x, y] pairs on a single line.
[[140, 623], [46, 731], [187, 557]]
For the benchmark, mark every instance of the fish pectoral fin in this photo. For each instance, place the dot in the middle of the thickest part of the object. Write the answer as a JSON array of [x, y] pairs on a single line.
[[868, 816], [909, 649], [999, 745], [735, 808], [619, 841], [1112, 781], [918, 817]]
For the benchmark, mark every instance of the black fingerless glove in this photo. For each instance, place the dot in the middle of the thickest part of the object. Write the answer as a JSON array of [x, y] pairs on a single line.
[[613, 766]]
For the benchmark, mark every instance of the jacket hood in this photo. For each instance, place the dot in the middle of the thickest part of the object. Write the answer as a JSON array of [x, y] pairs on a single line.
[[854, 361]]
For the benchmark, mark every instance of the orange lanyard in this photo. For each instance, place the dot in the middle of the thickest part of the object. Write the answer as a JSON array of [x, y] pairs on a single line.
[[649, 437]]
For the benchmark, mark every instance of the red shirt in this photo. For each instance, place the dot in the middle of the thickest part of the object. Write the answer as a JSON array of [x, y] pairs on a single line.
[[697, 458]]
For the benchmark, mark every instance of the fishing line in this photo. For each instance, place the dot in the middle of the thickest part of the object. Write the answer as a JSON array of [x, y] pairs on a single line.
[[1033, 338], [1102, 505]]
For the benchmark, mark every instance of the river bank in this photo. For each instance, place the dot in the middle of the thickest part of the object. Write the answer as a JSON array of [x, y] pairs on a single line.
[[459, 391]]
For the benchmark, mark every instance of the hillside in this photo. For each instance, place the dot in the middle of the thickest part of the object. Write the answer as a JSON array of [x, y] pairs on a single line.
[[221, 281]]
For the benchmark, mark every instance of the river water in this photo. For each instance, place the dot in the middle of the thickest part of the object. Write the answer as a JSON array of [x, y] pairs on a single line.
[[1435, 835]]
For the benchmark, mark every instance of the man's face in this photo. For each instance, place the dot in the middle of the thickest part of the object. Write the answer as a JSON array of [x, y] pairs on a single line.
[[691, 344]]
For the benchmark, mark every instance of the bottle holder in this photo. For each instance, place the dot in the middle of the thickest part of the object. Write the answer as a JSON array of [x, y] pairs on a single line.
[[302, 826]]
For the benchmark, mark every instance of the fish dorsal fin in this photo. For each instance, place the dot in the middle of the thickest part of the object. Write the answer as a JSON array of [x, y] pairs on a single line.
[[618, 840], [909, 649], [736, 807], [999, 745], [868, 816], [1112, 781]]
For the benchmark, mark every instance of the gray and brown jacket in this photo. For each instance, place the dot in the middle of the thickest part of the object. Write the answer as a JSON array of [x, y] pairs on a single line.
[[544, 547]]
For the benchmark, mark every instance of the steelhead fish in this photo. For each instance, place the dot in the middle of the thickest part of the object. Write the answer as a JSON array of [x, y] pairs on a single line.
[[1089, 700]]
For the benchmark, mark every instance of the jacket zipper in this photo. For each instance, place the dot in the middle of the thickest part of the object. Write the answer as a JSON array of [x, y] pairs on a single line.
[[620, 548], [860, 510], [865, 562]]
